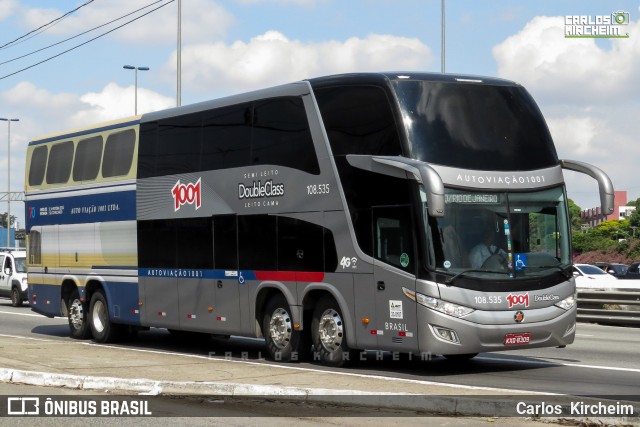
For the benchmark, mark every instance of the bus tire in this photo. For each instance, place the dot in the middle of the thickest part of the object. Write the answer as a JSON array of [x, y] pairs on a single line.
[[329, 334], [283, 341], [102, 329], [77, 314], [16, 301]]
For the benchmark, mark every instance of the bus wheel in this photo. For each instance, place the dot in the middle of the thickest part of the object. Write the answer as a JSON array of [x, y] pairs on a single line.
[[283, 342], [77, 314], [329, 335], [16, 301], [102, 329]]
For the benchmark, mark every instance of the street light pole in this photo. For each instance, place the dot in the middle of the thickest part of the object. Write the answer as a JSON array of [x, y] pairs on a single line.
[[8, 177], [179, 58], [131, 67]]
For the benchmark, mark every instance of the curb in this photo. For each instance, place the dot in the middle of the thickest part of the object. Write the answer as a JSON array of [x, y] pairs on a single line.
[[468, 406]]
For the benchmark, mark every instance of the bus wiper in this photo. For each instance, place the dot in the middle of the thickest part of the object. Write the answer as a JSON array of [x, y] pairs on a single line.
[[566, 274], [473, 270]]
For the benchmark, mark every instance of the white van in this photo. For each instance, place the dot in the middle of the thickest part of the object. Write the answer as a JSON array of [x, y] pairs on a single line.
[[13, 276]]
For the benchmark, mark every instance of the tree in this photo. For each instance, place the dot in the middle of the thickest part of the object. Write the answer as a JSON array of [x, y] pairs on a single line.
[[574, 215], [3, 220], [634, 218]]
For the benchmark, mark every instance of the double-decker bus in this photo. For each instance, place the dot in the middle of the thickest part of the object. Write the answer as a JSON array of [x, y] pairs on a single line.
[[403, 212]]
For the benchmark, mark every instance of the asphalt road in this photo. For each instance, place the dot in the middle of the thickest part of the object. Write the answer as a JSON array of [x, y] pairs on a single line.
[[602, 362]]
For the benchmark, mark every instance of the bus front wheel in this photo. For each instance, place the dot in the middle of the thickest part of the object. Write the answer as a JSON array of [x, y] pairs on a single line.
[[102, 329], [77, 313]]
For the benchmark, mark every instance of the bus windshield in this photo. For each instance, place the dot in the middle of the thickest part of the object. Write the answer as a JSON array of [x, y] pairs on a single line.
[[489, 233], [474, 126]]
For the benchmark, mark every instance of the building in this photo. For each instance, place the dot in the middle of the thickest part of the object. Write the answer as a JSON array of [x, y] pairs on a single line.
[[594, 216]]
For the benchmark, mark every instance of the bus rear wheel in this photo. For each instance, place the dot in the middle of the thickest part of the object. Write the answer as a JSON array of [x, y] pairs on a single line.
[[77, 312], [328, 333], [102, 329], [284, 343]]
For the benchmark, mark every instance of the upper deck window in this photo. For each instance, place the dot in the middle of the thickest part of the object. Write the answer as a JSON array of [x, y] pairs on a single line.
[[87, 163], [475, 126], [118, 153], [38, 165], [60, 160]]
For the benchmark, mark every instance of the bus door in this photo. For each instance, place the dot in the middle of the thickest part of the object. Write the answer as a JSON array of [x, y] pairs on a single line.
[[394, 267], [230, 287]]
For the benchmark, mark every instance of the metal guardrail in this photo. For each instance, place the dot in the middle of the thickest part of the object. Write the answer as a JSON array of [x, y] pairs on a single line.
[[610, 306]]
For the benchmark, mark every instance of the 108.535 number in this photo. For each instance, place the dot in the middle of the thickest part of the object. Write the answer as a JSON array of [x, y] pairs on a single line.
[[315, 189]]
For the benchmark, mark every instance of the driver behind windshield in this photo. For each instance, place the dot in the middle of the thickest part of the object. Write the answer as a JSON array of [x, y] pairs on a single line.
[[488, 247]]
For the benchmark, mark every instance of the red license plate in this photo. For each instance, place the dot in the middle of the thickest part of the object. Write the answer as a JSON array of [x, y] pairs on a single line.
[[517, 339]]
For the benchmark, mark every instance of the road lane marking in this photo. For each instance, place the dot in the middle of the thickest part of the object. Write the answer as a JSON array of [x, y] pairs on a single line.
[[28, 338], [22, 314], [549, 363]]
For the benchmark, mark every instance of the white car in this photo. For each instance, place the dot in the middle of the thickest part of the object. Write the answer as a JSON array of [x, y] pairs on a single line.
[[591, 277], [13, 276]]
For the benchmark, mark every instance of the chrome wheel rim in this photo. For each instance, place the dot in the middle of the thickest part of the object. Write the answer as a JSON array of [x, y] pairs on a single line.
[[280, 328], [331, 330], [76, 314]]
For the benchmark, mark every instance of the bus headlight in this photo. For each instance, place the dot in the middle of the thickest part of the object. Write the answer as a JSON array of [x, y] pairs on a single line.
[[448, 308], [568, 302]]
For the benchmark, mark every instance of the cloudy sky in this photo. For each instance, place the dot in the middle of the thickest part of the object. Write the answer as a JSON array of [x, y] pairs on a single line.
[[587, 89]]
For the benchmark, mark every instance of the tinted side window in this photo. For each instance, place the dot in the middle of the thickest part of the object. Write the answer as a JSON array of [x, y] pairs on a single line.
[[35, 247], [257, 242], [226, 137], [118, 153], [281, 135], [38, 165], [393, 241], [87, 162], [359, 120], [300, 245], [194, 243], [225, 242], [178, 149], [157, 244], [364, 190], [59, 166]]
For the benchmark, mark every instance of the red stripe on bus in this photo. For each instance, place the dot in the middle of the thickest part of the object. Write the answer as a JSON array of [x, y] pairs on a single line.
[[291, 276]]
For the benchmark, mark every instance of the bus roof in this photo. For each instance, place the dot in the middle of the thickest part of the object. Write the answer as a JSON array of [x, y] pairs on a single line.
[[383, 77], [113, 124]]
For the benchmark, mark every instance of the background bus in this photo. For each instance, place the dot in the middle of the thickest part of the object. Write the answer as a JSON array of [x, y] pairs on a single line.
[[336, 214]]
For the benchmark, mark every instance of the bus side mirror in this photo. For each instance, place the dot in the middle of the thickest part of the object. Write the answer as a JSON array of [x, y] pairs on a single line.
[[403, 167], [7, 271]]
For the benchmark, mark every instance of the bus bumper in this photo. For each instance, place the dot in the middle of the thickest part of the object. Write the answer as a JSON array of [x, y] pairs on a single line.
[[447, 335]]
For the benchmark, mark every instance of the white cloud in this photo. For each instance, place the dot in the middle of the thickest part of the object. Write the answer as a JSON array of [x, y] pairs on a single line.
[[588, 92], [111, 103], [272, 58], [571, 70], [7, 8], [201, 20]]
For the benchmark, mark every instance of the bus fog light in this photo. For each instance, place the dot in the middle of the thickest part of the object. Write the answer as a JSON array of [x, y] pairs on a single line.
[[446, 334]]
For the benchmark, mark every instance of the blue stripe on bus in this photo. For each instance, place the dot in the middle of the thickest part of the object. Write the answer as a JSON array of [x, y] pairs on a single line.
[[102, 207], [85, 132], [123, 300]]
